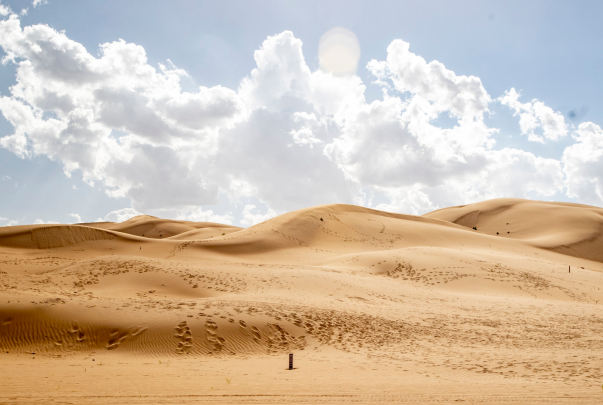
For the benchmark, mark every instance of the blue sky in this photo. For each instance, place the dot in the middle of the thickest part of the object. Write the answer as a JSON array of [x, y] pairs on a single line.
[[295, 134]]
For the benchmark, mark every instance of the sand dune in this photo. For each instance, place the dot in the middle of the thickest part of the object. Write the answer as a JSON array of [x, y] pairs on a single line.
[[428, 298], [50, 236], [152, 227], [571, 229]]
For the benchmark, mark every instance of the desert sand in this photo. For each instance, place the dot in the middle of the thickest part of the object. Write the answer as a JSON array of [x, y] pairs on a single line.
[[376, 307]]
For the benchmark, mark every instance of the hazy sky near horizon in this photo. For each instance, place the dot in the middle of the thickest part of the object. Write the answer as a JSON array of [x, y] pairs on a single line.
[[224, 111]]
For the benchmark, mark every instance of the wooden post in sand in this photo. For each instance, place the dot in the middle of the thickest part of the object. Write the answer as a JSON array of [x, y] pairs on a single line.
[[569, 269], [290, 361]]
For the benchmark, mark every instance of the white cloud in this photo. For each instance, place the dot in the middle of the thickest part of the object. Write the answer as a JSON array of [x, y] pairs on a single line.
[[304, 135], [287, 136], [4, 10], [509, 173], [534, 116], [196, 214], [8, 222], [205, 109], [280, 95], [252, 217], [409, 201], [77, 218], [583, 164], [42, 222], [119, 215], [394, 146], [199, 215], [180, 148], [67, 102], [393, 143], [37, 3], [446, 91]]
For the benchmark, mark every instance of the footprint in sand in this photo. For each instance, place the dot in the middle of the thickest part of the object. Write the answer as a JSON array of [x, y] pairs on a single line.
[[255, 332], [116, 337], [216, 342], [79, 335], [243, 328], [138, 331], [278, 339], [185, 338]]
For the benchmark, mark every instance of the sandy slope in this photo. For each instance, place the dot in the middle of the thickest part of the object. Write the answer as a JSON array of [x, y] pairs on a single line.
[[571, 229], [376, 307]]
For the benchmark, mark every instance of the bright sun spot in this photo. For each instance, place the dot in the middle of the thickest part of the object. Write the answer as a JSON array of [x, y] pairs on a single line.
[[339, 51]]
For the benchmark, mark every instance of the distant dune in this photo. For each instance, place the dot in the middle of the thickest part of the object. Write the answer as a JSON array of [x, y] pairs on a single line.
[[571, 229], [156, 228], [496, 295]]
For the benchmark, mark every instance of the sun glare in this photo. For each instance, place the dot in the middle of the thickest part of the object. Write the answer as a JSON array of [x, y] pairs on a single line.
[[339, 51]]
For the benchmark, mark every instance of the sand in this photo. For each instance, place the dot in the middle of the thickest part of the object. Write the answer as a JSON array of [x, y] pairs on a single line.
[[376, 307]]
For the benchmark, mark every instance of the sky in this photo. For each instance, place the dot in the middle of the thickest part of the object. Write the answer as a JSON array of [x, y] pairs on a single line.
[[237, 111]]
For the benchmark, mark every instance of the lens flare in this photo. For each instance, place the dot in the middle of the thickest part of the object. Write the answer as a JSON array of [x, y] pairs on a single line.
[[339, 52]]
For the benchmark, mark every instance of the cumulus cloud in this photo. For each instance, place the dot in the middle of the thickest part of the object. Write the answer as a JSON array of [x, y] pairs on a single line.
[[536, 116], [196, 214], [66, 105], [509, 172], [408, 201], [304, 135], [251, 216], [200, 215], [8, 222], [394, 143], [269, 152], [286, 136], [394, 146], [42, 222], [77, 218], [119, 215], [446, 91], [205, 109], [583, 164], [4, 10]]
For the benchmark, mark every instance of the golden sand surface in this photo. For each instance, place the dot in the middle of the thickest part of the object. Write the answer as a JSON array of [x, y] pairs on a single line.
[[376, 307]]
